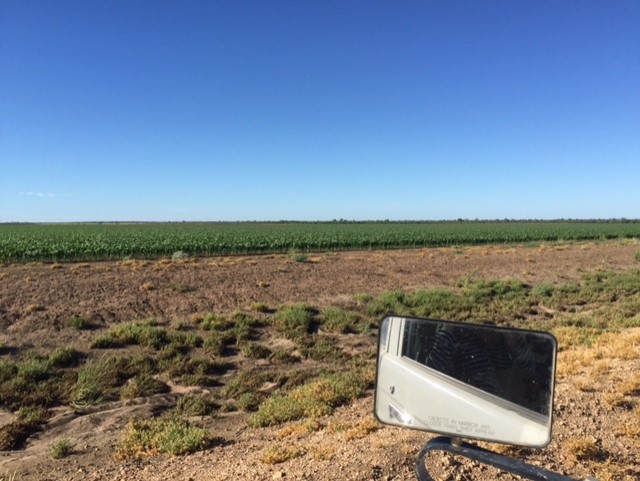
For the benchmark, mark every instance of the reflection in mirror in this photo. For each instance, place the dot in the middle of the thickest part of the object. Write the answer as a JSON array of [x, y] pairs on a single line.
[[466, 380]]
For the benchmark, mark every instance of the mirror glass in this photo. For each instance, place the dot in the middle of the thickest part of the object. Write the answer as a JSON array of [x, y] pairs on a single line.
[[466, 380]]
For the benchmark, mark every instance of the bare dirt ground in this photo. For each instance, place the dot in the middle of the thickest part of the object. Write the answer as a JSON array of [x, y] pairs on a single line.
[[36, 301]]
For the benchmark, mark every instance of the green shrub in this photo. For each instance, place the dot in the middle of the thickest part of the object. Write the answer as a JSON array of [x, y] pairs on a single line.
[[260, 307], [104, 341], [193, 371], [216, 322], [294, 321], [216, 342], [195, 405], [391, 302], [340, 321], [300, 257], [249, 401], [243, 329], [96, 377], [315, 398], [248, 381], [254, 350], [319, 349], [362, 298], [281, 356], [169, 435], [142, 386], [439, 303], [65, 357], [90, 387], [33, 370], [14, 435], [61, 448], [184, 340], [79, 323], [32, 415], [132, 333], [543, 290], [28, 421], [8, 369]]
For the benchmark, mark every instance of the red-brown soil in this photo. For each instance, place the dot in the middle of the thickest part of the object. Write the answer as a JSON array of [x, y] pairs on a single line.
[[37, 300]]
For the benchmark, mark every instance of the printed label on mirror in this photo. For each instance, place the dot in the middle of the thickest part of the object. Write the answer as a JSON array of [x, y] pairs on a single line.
[[449, 425]]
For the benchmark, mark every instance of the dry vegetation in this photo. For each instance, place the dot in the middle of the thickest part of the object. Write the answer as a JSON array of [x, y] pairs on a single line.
[[290, 382]]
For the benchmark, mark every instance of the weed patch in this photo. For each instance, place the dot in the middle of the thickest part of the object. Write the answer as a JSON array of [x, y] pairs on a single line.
[[28, 421], [165, 435], [315, 398], [299, 257], [340, 321], [294, 320], [216, 342], [79, 323], [98, 378], [65, 357], [585, 449], [216, 322], [319, 349], [255, 350], [61, 448], [142, 386], [132, 333], [277, 453], [195, 405]]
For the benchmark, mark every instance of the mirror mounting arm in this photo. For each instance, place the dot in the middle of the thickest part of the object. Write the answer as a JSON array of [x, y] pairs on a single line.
[[505, 463]]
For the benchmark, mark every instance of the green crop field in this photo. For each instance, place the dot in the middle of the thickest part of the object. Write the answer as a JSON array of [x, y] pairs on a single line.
[[81, 242]]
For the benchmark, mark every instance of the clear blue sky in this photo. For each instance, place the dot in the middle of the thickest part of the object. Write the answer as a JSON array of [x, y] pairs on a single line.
[[314, 110]]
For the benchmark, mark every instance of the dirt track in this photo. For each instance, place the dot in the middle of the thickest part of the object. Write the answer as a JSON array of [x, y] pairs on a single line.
[[36, 300]]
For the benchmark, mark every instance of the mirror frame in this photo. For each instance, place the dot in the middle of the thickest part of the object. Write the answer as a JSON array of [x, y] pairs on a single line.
[[548, 335]]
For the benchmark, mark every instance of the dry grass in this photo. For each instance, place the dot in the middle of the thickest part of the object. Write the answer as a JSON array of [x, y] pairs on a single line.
[[278, 453], [571, 337], [31, 308], [585, 448], [630, 386], [147, 286], [300, 428], [150, 437], [77, 267], [362, 429], [631, 428], [575, 361], [322, 453], [615, 399], [625, 346]]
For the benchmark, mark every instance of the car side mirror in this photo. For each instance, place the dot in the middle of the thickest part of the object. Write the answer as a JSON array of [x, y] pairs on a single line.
[[466, 380]]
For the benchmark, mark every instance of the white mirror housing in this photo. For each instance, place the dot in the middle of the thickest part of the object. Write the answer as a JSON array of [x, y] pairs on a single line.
[[466, 380]]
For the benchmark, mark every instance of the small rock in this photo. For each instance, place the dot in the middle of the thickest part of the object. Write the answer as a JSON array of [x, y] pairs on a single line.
[[278, 475]]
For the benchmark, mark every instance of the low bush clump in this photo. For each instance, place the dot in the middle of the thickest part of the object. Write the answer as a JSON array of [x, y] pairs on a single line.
[[79, 323], [132, 333], [315, 398], [277, 453], [142, 386], [65, 357], [196, 405], [340, 321], [255, 350], [61, 448], [28, 421], [164, 435], [294, 321]]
